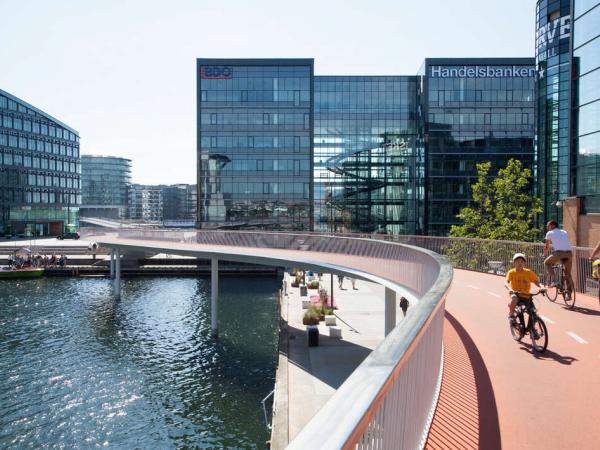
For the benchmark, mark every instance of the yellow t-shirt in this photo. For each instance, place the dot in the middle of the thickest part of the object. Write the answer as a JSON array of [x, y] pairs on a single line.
[[520, 281]]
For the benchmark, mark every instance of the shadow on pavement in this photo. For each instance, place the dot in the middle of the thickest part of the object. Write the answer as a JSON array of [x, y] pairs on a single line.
[[548, 355], [583, 310], [331, 362], [466, 415]]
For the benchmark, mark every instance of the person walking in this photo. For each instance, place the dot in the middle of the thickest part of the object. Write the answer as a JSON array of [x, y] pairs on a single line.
[[353, 282], [404, 304], [562, 252], [340, 281]]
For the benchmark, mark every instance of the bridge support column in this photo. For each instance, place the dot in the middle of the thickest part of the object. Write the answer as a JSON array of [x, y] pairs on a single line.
[[214, 295], [117, 280], [390, 310], [112, 264]]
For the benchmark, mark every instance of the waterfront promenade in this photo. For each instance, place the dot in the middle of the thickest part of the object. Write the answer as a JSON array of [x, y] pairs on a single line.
[[314, 373]]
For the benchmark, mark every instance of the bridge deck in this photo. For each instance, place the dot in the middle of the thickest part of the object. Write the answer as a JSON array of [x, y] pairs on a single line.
[[497, 393]]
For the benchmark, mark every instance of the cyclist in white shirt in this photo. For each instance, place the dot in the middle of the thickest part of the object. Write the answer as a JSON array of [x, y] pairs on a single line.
[[562, 253]]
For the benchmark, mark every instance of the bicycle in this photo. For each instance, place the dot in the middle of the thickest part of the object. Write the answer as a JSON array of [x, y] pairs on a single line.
[[561, 286], [535, 327]]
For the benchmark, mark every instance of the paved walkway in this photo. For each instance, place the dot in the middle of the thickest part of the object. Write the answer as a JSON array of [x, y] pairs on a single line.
[[496, 393], [314, 373]]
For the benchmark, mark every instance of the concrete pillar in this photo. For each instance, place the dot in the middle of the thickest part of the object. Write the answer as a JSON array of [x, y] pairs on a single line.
[[117, 281], [390, 310], [214, 295], [112, 264]]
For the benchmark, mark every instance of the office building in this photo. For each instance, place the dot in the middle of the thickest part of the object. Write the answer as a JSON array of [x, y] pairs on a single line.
[[568, 115], [255, 132], [367, 165], [474, 110], [39, 171], [281, 148], [553, 60], [179, 204], [105, 182]]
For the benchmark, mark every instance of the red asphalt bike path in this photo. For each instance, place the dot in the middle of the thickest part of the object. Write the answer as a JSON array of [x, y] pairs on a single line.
[[499, 393]]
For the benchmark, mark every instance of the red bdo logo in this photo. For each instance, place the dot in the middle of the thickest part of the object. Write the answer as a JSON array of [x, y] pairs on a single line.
[[216, 72]]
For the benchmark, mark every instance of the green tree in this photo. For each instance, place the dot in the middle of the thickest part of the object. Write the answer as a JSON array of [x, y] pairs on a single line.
[[502, 208]]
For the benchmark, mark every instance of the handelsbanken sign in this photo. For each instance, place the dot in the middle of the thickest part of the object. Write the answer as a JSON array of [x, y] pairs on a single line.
[[482, 71]]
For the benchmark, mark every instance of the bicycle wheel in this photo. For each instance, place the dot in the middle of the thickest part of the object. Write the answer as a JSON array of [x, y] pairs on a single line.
[[516, 330], [538, 335], [569, 297], [552, 293]]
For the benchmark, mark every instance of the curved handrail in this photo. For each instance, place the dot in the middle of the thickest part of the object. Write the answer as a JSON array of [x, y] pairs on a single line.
[[389, 399]]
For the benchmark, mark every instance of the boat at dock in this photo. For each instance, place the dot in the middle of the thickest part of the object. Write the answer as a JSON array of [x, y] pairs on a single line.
[[15, 274]]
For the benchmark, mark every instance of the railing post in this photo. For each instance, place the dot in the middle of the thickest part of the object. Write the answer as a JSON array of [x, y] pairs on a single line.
[[117, 280], [332, 290], [390, 310], [214, 295]]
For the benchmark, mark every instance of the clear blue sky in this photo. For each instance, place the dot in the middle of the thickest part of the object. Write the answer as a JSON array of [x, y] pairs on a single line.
[[122, 73]]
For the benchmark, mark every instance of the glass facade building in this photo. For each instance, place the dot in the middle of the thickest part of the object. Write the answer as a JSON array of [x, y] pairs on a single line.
[[281, 148], [474, 110], [366, 162], [179, 202], [39, 171], [586, 102], [255, 132], [105, 182], [553, 60]]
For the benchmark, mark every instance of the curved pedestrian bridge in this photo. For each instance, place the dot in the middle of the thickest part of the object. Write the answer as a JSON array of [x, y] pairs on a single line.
[[493, 389], [389, 400]]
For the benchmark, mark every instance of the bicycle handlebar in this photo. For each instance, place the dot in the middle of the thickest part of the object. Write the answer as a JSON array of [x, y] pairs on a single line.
[[532, 294]]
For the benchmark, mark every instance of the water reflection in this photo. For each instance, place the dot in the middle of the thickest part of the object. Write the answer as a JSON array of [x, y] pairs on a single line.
[[83, 369]]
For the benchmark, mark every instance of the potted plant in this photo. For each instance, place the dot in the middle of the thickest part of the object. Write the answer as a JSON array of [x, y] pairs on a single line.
[[321, 311], [311, 316], [314, 284]]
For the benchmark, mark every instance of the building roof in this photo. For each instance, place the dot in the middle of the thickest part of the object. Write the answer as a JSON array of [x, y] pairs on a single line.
[[39, 111], [106, 156]]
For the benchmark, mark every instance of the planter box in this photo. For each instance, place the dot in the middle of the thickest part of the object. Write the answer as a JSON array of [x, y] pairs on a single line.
[[305, 304], [330, 320], [335, 332]]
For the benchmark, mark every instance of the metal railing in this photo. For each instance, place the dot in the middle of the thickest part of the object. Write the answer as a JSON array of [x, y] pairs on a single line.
[[389, 400], [496, 256], [481, 255]]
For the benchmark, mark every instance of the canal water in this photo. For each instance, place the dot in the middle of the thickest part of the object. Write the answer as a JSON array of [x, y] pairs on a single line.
[[79, 369]]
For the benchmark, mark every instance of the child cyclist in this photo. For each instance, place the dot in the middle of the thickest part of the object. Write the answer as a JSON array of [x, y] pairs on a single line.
[[518, 282]]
